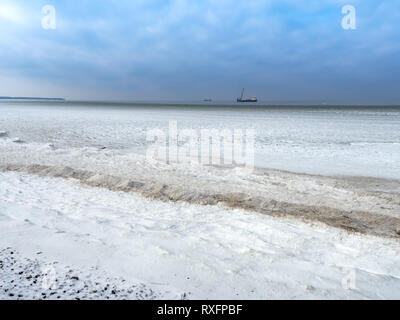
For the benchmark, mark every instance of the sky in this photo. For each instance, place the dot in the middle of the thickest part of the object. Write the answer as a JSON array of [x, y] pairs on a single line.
[[279, 50]]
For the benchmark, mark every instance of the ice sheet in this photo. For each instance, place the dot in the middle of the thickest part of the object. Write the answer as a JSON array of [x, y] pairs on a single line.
[[322, 140]]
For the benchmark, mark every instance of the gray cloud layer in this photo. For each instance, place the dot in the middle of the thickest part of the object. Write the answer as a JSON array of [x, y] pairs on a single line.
[[153, 49]]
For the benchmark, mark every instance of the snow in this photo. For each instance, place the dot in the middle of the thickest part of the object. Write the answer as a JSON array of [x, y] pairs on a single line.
[[81, 204], [32, 279], [368, 205], [329, 141], [183, 250]]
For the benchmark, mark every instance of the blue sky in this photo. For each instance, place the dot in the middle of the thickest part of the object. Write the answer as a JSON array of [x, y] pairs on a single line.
[[185, 49]]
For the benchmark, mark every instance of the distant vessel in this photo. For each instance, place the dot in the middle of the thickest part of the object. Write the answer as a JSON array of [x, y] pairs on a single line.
[[207, 100], [242, 99]]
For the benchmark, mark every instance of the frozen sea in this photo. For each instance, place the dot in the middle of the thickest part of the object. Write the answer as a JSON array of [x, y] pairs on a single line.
[[356, 141], [78, 198]]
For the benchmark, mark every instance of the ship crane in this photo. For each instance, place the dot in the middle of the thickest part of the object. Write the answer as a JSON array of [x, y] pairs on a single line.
[[242, 99]]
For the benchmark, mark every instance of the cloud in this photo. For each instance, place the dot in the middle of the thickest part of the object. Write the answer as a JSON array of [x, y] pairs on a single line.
[[191, 48]]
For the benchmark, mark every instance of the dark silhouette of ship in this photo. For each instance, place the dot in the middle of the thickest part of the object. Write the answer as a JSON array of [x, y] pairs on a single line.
[[242, 99]]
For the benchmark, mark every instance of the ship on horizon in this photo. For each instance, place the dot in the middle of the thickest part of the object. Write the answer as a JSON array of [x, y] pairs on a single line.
[[242, 99]]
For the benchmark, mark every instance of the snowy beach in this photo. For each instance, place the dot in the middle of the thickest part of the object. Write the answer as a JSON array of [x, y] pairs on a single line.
[[319, 216]]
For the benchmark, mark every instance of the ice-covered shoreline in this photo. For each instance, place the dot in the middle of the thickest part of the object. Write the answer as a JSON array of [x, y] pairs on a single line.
[[191, 251], [84, 208], [174, 230], [360, 204], [23, 278]]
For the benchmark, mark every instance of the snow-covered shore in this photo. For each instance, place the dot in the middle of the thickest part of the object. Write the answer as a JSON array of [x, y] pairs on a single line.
[[186, 250], [85, 215], [24, 278], [361, 204]]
